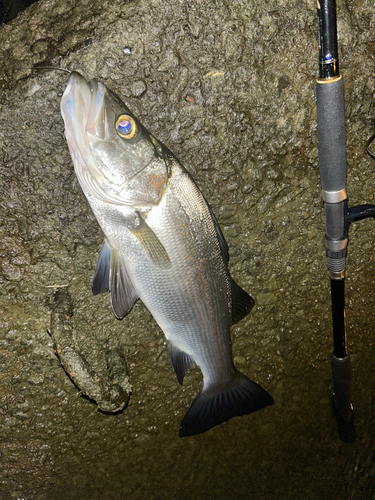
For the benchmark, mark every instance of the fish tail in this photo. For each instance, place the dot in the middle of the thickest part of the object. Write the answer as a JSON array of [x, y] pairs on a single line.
[[217, 404]]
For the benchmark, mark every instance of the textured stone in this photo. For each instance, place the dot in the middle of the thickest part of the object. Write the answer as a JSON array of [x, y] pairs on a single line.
[[229, 87]]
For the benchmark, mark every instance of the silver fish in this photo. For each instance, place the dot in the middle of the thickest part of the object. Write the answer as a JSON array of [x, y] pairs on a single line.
[[162, 245]]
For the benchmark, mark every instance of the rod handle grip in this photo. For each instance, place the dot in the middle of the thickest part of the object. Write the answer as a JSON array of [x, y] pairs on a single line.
[[331, 133]]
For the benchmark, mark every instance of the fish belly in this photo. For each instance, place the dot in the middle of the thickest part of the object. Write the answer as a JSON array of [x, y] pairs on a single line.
[[190, 300]]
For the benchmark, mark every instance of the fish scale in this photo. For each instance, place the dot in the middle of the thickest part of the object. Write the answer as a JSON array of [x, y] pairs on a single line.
[[162, 245], [208, 312]]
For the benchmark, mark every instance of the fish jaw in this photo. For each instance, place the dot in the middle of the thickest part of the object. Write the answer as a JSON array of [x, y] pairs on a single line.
[[97, 121], [83, 108], [108, 166], [76, 101], [76, 108]]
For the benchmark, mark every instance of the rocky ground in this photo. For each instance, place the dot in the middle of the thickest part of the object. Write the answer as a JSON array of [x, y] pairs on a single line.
[[229, 87]]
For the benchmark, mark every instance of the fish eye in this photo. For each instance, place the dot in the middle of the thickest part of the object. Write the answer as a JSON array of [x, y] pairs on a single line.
[[126, 127]]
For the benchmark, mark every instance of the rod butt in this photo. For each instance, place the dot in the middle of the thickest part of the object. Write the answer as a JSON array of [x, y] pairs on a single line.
[[341, 400]]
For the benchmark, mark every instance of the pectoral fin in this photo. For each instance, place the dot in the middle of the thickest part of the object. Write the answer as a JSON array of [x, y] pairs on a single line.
[[123, 294], [150, 244], [180, 361], [100, 280]]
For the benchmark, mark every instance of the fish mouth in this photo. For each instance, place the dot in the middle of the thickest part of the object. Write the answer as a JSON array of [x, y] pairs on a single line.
[[83, 105], [84, 111], [97, 122]]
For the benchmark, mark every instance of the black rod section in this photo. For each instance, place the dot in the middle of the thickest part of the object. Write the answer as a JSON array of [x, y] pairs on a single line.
[[328, 54], [338, 317], [332, 170]]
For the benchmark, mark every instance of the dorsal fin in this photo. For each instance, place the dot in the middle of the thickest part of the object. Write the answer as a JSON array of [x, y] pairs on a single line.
[[242, 303], [220, 237]]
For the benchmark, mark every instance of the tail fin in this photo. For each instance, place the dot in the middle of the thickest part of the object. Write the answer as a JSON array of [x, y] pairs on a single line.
[[218, 404]]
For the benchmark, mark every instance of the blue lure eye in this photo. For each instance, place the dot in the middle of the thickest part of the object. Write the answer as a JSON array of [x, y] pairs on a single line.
[[126, 127]]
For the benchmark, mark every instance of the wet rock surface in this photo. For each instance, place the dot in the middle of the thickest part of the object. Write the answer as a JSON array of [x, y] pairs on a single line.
[[110, 391], [229, 88]]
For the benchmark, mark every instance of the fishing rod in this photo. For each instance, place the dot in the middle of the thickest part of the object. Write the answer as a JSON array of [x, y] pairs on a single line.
[[332, 170]]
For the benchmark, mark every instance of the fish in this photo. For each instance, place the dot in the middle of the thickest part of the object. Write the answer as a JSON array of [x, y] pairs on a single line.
[[163, 245]]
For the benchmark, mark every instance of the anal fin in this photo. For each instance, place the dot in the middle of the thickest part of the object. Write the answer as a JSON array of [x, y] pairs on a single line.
[[180, 361]]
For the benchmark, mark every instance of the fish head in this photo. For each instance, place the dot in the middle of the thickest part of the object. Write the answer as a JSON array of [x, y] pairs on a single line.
[[110, 148]]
